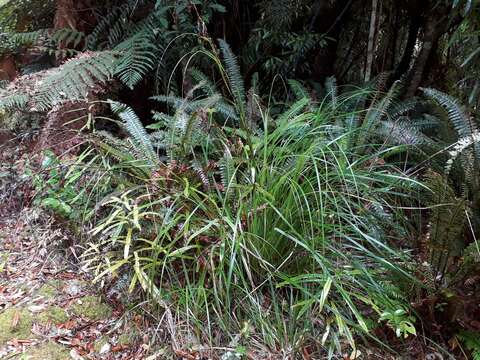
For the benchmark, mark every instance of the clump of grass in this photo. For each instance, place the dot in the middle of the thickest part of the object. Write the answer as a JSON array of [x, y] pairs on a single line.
[[290, 242]]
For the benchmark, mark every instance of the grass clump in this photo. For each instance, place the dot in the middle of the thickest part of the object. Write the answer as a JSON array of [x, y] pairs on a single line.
[[291, 223], [92, 307]]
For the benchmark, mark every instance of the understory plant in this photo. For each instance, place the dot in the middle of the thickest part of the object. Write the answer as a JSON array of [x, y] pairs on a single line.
[[271, 228]]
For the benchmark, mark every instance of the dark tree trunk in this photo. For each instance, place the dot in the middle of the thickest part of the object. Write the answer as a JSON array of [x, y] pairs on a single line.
[[330, 17], [404, 64], [433, 30]]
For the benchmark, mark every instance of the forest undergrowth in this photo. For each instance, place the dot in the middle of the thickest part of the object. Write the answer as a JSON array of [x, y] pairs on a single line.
[[256, 215]]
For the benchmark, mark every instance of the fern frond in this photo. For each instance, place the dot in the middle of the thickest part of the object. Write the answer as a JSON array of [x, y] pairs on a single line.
[[292, 111], [472, 342], [197, 167], [227, 171], [234, 76], [118, 16], [401, 133], [208, 87], [67, 37], [75, 78], [115, 147], [136, 130], [446, 222], [28, 38], [137, 58], [460, 121], [332, 90], [14, 101], [298, 89], [463, 124], [380, 109]]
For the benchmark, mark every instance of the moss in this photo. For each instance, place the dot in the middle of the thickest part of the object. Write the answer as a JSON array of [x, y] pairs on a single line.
[[127, 338], [48, 351], [50, 289], [22, 328], [98, 344], [93, 308], [55, 314]]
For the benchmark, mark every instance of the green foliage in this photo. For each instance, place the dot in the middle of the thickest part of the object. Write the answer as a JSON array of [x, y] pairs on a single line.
[[75, 79], [447, 221], [137, 132], [400, 321], [281, 224], [472, 342], [15, 101], [235, 79], [462, 123], [137, 58], [67, 189], [282, 210]]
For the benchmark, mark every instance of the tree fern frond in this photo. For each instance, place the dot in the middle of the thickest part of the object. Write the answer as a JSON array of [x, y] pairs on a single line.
[[75, 79], [137, 58], [14, 101]]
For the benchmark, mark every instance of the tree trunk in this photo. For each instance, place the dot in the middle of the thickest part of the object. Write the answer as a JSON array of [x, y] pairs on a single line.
[[371, 41], [8, 69], [404, 64], [329, 20], [433, 30]]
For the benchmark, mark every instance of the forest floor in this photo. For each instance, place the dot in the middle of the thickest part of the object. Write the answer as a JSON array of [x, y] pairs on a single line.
[[49, 309]]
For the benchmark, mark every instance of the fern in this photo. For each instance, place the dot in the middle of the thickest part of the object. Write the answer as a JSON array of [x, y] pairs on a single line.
[[28, 38], [472, 342], [115, 147], [332, 90], [227, 171], [118, 16], [381, 108], [14, 101], [75, 79], [447, 222], [234, 77], [299, 91], [67, 37], [292, 111], [136, 130], [137, 58], [462, 123], [402, 133]]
